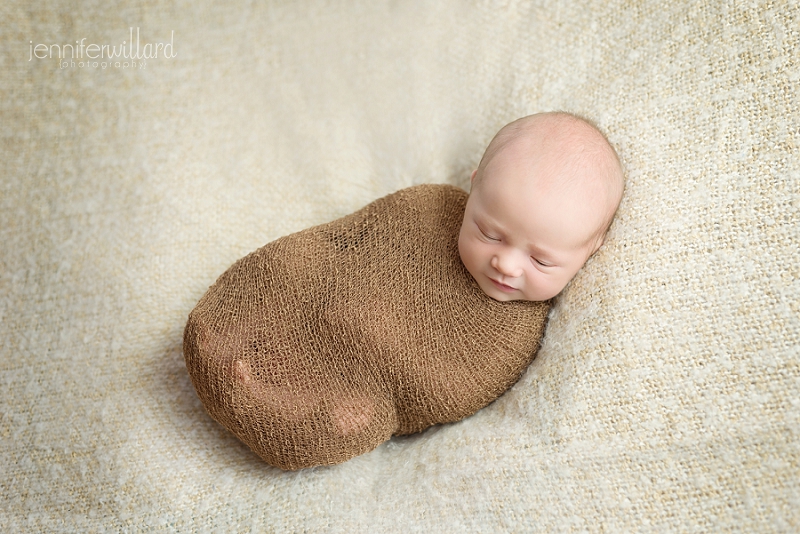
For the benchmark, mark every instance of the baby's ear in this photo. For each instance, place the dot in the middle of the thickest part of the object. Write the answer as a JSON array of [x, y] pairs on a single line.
[[472, 178]]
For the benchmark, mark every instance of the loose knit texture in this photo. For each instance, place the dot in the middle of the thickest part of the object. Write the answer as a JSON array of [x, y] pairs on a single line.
[[322, 344]]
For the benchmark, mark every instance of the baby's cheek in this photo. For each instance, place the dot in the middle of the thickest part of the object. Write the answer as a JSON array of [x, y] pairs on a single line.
[[470, 253], [547, 286]]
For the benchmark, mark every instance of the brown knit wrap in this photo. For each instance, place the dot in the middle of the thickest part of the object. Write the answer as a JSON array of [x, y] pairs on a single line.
[[322, 344]]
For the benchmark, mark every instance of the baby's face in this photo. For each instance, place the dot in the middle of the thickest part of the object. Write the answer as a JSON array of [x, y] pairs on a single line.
[[522, 238]]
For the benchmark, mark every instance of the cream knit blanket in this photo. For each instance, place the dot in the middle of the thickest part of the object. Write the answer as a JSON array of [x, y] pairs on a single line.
[[666, 396]]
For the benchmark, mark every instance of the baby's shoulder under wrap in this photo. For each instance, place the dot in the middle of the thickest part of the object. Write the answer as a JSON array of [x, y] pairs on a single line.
[[322, 344]]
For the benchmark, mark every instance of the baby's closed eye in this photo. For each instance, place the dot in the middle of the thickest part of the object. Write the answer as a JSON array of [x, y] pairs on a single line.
[[487, 235]]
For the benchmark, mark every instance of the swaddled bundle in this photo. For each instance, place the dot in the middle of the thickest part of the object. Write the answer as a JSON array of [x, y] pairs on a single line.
[[322, 344]]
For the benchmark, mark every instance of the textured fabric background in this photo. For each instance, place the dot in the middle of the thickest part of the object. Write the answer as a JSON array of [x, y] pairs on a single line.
[[667, 394]]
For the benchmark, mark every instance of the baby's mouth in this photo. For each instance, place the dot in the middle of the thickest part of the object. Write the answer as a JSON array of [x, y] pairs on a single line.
[[502, 287]]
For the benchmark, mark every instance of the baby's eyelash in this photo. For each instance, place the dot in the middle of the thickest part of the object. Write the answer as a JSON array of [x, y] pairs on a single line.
[[487, 236], [543, 264]]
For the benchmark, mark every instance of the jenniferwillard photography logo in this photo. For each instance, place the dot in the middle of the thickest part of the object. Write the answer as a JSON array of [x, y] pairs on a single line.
[[129, 54]]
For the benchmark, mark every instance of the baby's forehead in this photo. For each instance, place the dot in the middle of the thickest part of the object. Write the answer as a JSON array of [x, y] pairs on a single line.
[[529, 171], [512, 195]]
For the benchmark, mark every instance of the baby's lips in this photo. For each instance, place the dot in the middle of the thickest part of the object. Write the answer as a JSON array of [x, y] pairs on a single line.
[[503, 286]]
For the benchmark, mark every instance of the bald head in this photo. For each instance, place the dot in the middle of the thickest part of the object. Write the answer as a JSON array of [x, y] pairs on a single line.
[[559, 150], [541, 202]]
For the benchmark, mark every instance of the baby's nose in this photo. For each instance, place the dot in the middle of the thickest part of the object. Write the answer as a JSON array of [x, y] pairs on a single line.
[[507, 265]]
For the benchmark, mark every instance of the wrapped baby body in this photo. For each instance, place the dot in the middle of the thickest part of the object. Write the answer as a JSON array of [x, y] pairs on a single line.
[[323, 344]]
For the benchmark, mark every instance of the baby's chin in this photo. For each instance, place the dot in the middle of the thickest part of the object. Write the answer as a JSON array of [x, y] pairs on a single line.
[[503, 298]]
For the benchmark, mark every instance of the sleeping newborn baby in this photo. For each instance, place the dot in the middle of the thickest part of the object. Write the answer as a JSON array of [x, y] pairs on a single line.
[[419, 309]]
